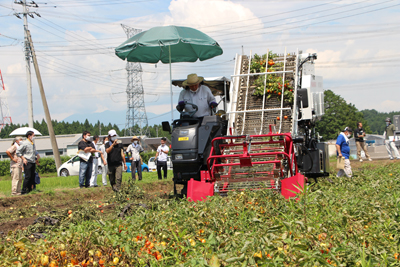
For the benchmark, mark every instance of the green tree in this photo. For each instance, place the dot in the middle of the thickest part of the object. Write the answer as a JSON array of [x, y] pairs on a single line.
[[338, 115], [376, 120]]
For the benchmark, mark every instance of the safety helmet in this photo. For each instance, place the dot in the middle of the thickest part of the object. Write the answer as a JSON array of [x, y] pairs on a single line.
[[388, 120]]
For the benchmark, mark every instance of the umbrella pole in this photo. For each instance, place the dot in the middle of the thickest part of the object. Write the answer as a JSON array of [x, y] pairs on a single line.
[[170, 85]]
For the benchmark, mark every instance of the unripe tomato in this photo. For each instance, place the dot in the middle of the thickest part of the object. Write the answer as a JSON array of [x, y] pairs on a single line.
[[115, 260]]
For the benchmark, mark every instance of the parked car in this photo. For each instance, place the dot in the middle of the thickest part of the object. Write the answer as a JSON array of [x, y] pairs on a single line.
[[153, 167], [145, 168], [71, 167]]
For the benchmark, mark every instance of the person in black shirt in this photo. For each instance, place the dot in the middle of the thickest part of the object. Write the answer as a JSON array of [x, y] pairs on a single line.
[[359, 135], [115, 158], [85, 168]]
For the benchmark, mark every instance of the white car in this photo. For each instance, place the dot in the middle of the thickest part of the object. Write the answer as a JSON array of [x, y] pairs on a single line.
[[71, 167], [153, 167]]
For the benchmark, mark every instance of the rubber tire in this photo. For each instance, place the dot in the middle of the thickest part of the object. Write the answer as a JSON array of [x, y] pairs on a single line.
[[64, 173], [99, 170], [145, 170]]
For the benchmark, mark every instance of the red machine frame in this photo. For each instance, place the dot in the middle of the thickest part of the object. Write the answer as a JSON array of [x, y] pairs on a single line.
[[290, 185]]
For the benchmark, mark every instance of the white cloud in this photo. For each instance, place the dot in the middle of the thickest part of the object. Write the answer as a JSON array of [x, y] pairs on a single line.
[[80, 74]]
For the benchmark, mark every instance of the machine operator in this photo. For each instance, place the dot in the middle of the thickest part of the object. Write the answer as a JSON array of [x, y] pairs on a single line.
[[197, 93]]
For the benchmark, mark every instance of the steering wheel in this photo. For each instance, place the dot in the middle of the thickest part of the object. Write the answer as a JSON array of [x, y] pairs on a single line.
[[187, 114]]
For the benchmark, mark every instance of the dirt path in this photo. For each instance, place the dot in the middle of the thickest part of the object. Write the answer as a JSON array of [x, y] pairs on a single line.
[[31, 205]]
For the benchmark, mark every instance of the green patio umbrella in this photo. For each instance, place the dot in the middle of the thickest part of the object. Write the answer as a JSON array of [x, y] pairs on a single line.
[[169, 44]]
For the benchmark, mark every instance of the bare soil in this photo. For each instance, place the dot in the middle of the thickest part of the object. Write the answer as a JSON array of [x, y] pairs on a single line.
[[32, 204]]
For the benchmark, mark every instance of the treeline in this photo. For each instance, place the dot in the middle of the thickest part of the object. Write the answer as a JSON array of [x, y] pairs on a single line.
[[340, 114], [376, 120], [78, 127]]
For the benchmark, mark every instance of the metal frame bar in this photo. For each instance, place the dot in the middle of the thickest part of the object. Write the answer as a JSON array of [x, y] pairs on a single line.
[[283, 90], [288, 152], [247, 92], [258, 110], [261, 73], [265, 87], [294, 111]]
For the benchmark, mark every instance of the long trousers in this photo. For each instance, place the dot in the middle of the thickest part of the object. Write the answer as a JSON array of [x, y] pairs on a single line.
[[363, 146], [135, 165], [392, 149], [115, 176], [16, 180], [163, 165], [346, 171], [95, 172], [29, 181]]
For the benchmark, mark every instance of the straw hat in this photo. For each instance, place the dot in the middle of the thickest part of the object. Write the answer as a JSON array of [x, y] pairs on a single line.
[[192, 79], [134, 138]]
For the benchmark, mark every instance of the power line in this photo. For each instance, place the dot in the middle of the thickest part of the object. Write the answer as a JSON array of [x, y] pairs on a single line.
[[311, 24], [297, 22]]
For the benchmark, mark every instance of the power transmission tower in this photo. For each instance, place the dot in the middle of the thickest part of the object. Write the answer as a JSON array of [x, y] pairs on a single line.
[[136, 111], [25, 14], [5, 118]]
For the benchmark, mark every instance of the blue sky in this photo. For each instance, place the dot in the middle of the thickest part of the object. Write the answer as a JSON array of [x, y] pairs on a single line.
[[356, 41]]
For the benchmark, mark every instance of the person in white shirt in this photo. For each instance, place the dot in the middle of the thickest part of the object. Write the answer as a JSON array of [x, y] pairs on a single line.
[[162, 157], [104, 165], [135, 149], [198, 94], [95, 168]]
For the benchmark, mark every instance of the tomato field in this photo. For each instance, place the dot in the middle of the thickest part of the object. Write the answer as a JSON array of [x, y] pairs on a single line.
[[349, 222]]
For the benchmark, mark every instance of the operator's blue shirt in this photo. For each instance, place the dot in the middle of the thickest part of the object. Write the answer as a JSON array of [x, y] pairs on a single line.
[[344, 146]]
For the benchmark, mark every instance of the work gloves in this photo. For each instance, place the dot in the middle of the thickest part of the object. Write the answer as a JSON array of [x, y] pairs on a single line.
[[213, 104], [181, 106]]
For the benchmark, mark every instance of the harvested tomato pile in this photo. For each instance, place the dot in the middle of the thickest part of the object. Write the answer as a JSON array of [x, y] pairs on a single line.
[[352, 222]]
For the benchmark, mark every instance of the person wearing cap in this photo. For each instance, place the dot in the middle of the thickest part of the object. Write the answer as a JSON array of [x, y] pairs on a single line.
[[390, 139], [162, 157], [359, 135], [343, 150], [197, 93], [115, 160], [135, 149], [15, 166]]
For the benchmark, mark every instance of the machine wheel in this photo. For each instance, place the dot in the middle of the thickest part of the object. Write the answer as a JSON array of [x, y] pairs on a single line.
[[146, 170], [64, 173], [99, 169]]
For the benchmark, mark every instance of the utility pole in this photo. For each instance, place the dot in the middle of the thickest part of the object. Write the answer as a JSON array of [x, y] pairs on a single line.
[[56, 152], [25, 14]]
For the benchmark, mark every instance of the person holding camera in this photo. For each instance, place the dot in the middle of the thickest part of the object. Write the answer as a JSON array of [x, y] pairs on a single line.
[[115, 160], [162, 158]]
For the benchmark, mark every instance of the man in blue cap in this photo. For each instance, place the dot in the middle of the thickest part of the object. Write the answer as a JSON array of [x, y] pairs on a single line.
[[343, 150]]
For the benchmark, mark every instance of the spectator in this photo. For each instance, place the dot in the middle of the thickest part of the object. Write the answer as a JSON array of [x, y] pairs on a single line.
[[198, 94], [162, 157], [15, 166], [104, 166], [95, 166], [115, 158], [135, 149], [343, 150], [359, 135], [390, 139], [85, 169], [30, 158]]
